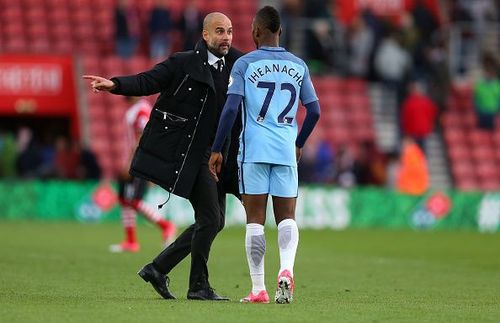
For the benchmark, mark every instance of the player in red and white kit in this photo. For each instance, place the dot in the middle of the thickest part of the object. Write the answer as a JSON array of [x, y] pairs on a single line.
[[132, 189]]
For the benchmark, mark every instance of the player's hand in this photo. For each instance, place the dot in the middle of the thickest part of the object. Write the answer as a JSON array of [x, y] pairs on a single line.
[[100, 83], [298, 154], [215, 164]]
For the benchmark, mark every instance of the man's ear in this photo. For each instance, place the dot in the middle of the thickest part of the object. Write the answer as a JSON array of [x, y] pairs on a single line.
[[257, 32], [281, 29], [205, 35]]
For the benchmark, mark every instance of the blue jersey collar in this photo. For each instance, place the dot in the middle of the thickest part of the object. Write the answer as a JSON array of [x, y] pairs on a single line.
[[272, 49]]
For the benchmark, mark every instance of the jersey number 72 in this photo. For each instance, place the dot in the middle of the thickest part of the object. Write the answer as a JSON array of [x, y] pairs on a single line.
[[271, 86]]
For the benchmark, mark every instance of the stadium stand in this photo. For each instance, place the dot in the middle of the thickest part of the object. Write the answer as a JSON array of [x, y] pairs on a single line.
[[473, 153], [85, 29]]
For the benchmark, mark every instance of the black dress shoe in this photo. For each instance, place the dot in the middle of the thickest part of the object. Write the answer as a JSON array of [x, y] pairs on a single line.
[[205, 294], [159, 281]]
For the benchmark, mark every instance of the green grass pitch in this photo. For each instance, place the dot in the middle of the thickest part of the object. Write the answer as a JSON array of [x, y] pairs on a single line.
[[63, 272]]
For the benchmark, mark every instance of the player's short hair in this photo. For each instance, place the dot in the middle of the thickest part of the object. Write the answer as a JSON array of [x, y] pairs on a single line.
[[269, 18]]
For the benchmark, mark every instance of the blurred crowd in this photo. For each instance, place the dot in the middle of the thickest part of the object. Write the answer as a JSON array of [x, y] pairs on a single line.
[[413, 55], [26, 156], [404, 170], [156, 29], [409, 55]]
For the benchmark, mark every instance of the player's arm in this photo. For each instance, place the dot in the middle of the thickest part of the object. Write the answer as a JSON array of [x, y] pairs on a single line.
[[226, 122], [310, 100], [312, 117]]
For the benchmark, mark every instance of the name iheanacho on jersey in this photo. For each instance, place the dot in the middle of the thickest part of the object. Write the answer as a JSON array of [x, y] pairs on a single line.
[[276, 68]]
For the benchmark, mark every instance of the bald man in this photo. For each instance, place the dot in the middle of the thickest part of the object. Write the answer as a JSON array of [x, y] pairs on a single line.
[[175, 146]]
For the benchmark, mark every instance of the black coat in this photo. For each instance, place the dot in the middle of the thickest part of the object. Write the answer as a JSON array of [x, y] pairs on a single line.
[[184, 118]]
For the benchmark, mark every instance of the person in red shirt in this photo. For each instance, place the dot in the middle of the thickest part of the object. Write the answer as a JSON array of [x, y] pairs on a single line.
[[132, 189], [418, 114]]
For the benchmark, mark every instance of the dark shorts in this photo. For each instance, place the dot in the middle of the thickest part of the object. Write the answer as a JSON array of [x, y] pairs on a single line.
[[132, 189]]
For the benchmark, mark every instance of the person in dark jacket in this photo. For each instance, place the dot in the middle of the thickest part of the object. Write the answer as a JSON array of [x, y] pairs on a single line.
[[174, 149]]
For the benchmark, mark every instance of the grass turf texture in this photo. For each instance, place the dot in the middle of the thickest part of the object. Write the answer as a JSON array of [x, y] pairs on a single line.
[[63, 273]]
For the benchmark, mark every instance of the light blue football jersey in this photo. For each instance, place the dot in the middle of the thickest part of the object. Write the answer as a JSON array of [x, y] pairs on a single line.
[[271, 80]]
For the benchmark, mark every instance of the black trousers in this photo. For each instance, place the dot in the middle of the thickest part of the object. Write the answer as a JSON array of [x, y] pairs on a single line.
[[209, 204]]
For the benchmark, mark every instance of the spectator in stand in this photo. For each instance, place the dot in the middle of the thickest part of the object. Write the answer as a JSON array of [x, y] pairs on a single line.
[[439, 78], [160, 25], [427, 26], [320, 42], [127, 28], [324, 163], [29, 158], [459, 15], [67, 159], [425, 22], [89, 167], [418, 114], [413, 175], [410, 36], [392, 170], [290, 21], [487, 93], [344, 167], [191, 24], [392, 64], [370, 165], [376, 27], [360, 46], [306, 167], [7, 155]]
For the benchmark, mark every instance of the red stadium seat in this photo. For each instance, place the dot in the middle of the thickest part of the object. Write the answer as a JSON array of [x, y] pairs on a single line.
[[462, 169], [495, 136], [16, 45], [467, 184], [91, 64], [361, 117], [451, 120], [459, 153], [483, 153], [489, 184], [338, 135], [324, 84], [355, 86], [469, 120], [84, 12], [487, 170], [59, 15], [479, 137], [38, 30], [40, 45], [61, 31], [362, 134], [357, 101], [11, 14], [84, 32], [63, 46], [56, 4], [14, 29], [138, 64], [454, 137], [113, 65]]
